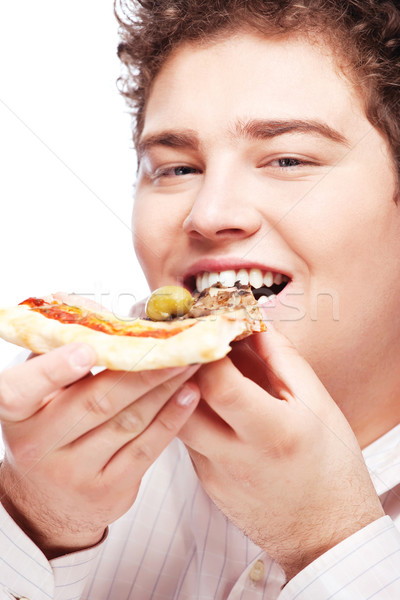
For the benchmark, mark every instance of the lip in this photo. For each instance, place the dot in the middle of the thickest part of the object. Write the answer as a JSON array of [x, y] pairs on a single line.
[[217, 264]]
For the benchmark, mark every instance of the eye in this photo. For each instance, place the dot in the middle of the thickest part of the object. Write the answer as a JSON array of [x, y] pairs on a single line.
[[289, 166], [177, 171], [173, 171], [289, 162]]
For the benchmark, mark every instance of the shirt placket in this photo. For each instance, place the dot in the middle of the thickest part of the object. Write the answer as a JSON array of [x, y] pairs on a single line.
[[261, 580]]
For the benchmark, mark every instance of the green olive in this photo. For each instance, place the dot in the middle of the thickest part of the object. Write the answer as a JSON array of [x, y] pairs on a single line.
[[168, 302]]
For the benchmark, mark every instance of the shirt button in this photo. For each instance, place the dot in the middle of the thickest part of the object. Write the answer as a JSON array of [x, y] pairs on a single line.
[[257, 571]]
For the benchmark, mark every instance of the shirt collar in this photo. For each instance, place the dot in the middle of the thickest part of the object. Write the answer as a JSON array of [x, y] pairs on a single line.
[[383, 460]]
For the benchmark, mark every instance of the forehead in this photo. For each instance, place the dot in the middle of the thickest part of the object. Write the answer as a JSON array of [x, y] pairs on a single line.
[[250, 76]]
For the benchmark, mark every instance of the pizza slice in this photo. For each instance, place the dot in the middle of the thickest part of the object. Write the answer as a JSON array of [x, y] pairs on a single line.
[[217, 317]]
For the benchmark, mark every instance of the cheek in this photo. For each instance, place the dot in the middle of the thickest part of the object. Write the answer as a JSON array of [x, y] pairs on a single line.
[[345, 222], [149, 220], [147, 234], [155, 227]]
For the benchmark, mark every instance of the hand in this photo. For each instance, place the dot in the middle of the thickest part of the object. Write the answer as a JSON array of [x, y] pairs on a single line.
[[78, 445], [283, 464]]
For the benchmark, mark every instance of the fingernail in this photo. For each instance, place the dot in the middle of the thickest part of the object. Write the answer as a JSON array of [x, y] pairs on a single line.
[[82, 357], [186, 395]]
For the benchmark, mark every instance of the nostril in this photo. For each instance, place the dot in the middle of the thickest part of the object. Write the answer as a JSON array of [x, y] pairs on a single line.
[[232, 232]]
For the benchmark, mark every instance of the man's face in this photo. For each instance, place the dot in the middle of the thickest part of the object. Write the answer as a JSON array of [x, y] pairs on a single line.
[[256, 154]]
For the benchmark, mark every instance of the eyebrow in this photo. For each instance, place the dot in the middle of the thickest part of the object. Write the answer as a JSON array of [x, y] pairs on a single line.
[[171, 139], [258, 129], [266, 129]]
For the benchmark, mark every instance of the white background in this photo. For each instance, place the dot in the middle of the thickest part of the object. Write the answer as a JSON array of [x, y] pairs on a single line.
[[67, 167]]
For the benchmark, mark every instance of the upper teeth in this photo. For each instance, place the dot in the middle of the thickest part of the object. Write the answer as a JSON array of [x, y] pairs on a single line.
[[255, 277]]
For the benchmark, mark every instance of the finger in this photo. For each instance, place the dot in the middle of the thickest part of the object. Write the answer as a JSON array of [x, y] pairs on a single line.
[[289, 373], [93, 402], [76, 300], [127, 424], [25, 388], [237, 400], [206, 430], [251, 365], [138, 310], [138, 455]]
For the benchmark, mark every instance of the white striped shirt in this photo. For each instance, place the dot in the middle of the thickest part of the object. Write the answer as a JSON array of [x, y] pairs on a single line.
[[174, 544]]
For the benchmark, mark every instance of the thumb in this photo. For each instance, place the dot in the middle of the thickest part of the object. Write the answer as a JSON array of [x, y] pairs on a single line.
[[26, 388], [288, 372]]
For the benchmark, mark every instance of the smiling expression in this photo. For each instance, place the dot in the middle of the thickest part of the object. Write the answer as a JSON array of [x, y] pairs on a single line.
[[256, 159]]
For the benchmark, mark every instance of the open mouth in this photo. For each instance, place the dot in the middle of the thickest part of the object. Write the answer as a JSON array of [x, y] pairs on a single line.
[[265, 285]]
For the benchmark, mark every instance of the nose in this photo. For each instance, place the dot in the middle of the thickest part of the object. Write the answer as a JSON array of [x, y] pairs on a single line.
[[223, 210]]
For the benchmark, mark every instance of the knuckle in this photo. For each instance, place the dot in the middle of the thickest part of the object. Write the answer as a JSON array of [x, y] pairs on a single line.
[[169, 387], [142, 452], [168, 423], [15, 395], [128, 421], [98, 402], [146, 378], [50, 376], [227, 396], [283, 447], [151, 378]]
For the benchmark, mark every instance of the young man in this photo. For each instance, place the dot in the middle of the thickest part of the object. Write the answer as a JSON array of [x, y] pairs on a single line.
[[268, 141]]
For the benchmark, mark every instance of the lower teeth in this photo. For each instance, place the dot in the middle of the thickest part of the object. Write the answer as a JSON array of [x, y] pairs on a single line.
[[266, 299]]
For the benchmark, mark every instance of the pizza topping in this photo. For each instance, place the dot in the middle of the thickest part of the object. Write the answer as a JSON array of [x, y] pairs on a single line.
[[34, 302], [164, 304], [168, 302], [64, 313], [263, 283], [218, 298]]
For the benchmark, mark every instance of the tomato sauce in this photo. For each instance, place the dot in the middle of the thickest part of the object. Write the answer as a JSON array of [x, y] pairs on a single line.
[[74, 315]]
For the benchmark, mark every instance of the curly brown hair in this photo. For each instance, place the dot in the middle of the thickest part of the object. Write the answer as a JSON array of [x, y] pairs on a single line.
[[364, 35]]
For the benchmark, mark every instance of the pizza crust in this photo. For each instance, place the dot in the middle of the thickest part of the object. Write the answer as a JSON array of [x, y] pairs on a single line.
[[207, 340]]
